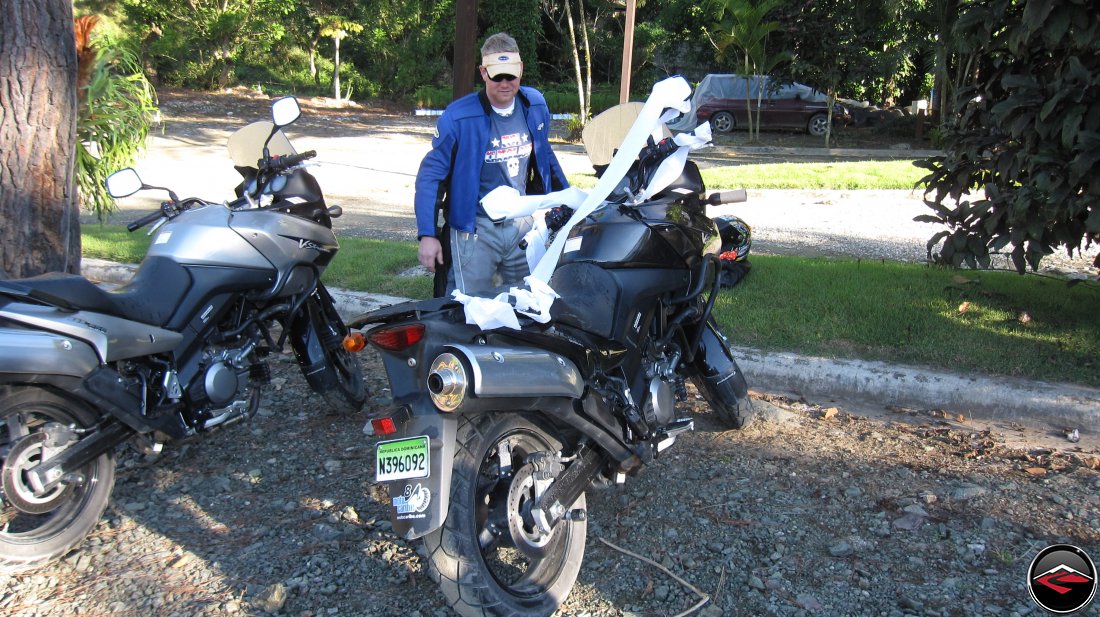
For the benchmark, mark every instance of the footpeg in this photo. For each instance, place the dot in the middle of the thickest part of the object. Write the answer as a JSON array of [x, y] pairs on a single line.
[[675, 428]]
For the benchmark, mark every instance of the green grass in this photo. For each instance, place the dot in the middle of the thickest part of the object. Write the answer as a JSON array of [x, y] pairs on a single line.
[[1026, 326], [853, 175]]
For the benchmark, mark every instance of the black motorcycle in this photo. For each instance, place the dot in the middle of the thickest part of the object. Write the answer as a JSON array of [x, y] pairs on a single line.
[[179, 350], [495, 435]]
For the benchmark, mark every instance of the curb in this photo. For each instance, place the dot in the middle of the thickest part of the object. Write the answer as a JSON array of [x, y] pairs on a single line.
[[991, 398]]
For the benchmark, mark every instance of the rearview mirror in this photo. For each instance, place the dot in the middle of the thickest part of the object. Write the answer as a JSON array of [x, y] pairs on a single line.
[[285, 111], [123, 183]]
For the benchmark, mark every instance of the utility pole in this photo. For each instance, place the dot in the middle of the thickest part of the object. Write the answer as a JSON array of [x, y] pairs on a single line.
[[465, 40], [628, 52]]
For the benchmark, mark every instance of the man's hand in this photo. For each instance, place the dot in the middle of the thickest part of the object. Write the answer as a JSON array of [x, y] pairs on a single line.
[[430, 253]]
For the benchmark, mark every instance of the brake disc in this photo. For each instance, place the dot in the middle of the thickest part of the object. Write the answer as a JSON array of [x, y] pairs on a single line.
[[24, 456], [525, 533]]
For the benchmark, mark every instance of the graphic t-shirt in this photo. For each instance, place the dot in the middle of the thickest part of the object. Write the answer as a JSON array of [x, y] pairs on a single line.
[[507, 154]]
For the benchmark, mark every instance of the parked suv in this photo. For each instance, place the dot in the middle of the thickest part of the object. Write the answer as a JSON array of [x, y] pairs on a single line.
[[721, 100]]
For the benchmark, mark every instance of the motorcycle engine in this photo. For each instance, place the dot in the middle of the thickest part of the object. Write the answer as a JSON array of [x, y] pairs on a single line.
[[665, 386], [660, 403], [223, 384]]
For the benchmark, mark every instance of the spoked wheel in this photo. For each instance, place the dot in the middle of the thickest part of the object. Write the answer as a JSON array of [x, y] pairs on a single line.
[[37, 526], [490, 558]]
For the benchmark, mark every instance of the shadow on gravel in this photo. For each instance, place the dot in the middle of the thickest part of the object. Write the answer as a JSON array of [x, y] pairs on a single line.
[[797, 515]]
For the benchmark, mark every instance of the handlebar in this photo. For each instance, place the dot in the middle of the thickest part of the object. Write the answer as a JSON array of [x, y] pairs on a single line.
[[290, 160], [145, 220]]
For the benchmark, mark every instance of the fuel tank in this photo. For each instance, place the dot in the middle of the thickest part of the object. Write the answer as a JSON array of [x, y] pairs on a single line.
[[202, 236], [671, 232]]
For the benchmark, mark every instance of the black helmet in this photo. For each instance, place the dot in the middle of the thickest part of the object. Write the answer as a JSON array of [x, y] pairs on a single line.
[[736, 238]]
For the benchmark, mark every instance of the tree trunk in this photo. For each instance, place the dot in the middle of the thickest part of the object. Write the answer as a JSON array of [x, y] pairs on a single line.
[[313, 60], [336, 66], [576, 62], [587, 111], [39, 211]]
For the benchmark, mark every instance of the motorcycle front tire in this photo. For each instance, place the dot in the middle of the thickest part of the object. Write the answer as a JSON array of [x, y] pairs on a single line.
[[341, 382], [335, 372], [48, 526], [474, 555]]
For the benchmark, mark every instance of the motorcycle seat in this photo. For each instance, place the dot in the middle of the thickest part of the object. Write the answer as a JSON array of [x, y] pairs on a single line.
[[151, 297]]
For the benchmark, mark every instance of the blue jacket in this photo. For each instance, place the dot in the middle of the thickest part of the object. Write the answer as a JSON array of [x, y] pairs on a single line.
[[450, 174]]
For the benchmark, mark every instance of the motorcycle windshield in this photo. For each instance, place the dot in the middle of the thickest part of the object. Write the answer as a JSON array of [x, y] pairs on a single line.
[[246, 145]]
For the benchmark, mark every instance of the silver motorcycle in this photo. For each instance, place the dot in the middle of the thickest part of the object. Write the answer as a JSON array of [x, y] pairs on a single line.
[[179, 350]]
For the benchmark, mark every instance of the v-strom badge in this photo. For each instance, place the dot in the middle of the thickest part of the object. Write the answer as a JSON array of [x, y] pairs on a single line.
[[306, 243], [1062, 579]]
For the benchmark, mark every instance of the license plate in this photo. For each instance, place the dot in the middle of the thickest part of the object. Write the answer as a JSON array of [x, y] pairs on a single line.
[[402, 459]]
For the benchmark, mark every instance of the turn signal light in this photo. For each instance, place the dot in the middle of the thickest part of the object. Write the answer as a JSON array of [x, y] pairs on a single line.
[[383, 426], [355, 342], [397, 338]]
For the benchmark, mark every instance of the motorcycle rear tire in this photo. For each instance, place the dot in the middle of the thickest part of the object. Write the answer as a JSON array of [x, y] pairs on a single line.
[[473, 581], [37, 539]]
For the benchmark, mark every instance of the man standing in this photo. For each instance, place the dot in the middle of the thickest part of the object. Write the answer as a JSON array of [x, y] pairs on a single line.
[[496, 137]]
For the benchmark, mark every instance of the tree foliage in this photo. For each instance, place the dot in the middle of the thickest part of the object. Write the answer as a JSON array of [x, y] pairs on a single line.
[[883, 48], [199, 42], [744, 26], [1022, 156]]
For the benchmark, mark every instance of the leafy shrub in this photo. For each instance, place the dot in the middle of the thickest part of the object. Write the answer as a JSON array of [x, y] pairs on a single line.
[[1027, 135], [113, 122]]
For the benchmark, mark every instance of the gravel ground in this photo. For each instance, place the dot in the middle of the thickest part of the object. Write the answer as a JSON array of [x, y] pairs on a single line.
[[811, 511]]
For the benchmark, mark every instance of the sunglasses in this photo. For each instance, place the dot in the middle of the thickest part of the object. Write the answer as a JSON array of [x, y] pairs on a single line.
[[500, 78]]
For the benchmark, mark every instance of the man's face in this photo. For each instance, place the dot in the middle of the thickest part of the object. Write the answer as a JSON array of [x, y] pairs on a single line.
[[501, 93]]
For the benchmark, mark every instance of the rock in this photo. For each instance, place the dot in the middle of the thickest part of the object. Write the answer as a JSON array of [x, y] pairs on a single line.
[[968, 491], [909, 522], [808, 602], [841, 549], [271, 599], [756, 583], [326, 532]]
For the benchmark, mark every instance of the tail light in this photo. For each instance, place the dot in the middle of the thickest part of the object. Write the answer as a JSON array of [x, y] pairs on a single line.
[[397, 338]]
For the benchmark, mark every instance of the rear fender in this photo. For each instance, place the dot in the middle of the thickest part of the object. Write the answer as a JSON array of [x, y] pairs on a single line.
[[418, 505], [34, 353]]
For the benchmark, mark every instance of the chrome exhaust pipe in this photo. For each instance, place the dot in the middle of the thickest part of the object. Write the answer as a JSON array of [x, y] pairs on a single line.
[[496, 372]]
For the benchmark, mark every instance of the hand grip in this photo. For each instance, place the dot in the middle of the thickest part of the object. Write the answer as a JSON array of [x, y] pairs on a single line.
[[727, 197], [143, 221]]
